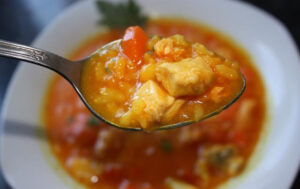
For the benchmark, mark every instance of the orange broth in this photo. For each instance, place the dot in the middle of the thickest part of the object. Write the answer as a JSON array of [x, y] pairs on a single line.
[[201, 155]]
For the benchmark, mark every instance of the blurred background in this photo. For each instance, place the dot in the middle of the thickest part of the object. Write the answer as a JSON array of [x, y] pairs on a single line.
[[22, 20]]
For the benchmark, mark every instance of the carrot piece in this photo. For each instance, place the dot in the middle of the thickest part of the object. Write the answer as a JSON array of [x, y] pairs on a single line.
[[134, 44]]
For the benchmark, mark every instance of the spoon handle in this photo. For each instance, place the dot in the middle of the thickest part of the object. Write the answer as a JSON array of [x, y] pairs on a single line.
[[35, 56]]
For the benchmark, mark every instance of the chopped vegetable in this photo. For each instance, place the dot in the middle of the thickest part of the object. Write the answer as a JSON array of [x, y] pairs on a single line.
[[166, 146], [149, 52], [134, 44], [107, 69], [93, 121], [121, 15], [70, 119]]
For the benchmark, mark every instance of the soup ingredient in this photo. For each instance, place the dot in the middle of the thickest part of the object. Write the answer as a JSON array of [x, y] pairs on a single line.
[[166, 146], [174, 47], [148, 106], [134, 43], [93, 121], [151, 83], [222, 157], [190, 76], [121, 15]]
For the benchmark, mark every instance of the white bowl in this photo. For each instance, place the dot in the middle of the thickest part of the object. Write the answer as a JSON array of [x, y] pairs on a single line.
[[26, 160]]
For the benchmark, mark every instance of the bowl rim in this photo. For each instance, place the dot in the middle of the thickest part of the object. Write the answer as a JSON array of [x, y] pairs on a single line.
[[18, 69]]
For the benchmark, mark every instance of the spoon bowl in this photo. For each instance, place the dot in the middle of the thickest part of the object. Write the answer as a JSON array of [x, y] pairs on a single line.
[[71, 71]]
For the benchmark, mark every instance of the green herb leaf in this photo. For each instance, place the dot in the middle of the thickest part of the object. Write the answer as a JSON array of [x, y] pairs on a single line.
[[149, 52], [70, 119], [121, 15], [107, 70], [166, 146], [93, 121]]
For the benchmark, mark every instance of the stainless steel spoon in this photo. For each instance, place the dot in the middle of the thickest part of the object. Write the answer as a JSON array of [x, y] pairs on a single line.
[[71, 71]]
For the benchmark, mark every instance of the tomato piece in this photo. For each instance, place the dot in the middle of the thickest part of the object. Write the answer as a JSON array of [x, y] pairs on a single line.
[[134, 44]]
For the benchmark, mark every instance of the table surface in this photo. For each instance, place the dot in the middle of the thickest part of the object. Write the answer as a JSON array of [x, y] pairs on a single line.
[[22, 20]]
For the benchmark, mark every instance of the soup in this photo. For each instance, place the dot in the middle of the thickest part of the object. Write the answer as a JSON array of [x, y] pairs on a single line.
[[203, 155], [150, 83]]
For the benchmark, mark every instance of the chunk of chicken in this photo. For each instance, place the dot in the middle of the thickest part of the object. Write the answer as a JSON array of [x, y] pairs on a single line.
[[149, 105], [190, 76]]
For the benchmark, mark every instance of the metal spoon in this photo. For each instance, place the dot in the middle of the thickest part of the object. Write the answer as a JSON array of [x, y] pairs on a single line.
[[71, 71]]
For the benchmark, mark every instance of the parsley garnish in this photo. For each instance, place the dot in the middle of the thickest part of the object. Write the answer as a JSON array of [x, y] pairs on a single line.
[[70, 119], [121, 15], [149, 52], [107, 70], [166, 146], [93, 121]]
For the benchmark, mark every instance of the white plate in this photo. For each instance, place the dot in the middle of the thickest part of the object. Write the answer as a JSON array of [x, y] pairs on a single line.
[[25, 157]]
